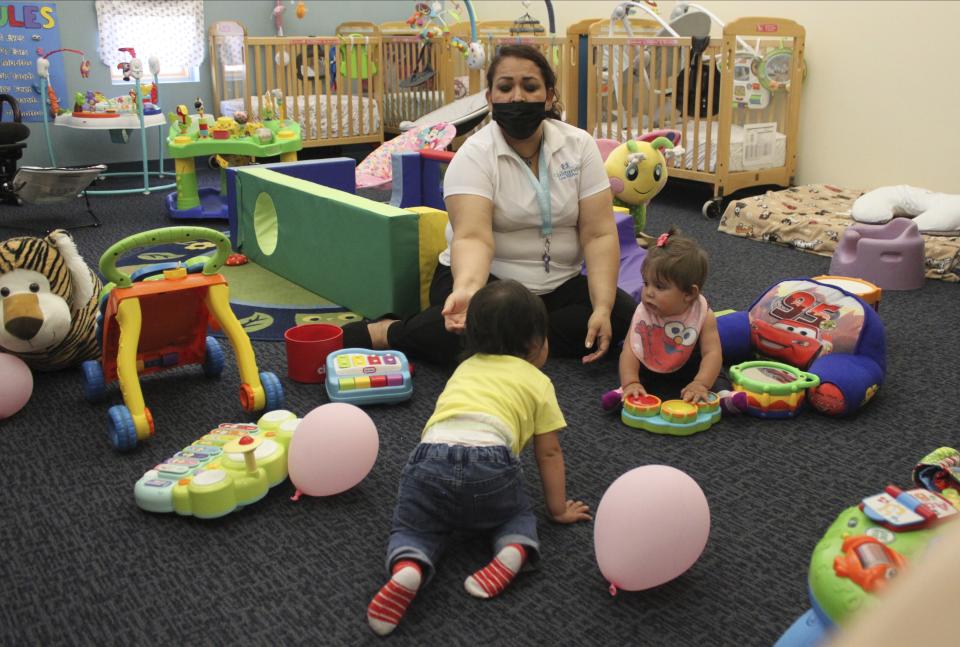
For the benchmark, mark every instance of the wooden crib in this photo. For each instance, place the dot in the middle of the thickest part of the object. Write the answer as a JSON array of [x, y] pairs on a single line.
[[406, 57], [331, 85], [577, 62], [406, 54], [736, 131], [494, 33]]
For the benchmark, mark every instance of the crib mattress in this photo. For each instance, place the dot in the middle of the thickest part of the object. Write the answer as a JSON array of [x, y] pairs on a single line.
[[812, 218], [738, 162], [740, 155], [316, 128]]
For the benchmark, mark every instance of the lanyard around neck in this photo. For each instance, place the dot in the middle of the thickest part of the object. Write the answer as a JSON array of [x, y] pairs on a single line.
[[542, 187]]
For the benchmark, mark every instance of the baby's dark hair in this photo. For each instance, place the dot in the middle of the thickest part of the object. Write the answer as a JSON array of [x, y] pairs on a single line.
[[676, 259], [505, 318]]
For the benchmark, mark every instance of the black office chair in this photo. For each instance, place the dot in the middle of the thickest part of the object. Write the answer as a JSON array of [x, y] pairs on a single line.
[[12, 134]]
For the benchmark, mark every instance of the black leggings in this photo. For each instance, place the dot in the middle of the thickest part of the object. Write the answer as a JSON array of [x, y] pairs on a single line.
[[424, 336]]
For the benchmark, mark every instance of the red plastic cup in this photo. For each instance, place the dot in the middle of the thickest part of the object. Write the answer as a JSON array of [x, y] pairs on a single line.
[[307, 348]]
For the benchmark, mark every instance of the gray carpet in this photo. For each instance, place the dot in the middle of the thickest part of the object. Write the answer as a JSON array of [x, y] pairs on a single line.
[[82, 564]]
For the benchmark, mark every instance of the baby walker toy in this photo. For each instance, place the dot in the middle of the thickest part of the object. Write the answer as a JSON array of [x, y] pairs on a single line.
[[870, 544], [362, 376], [158, 321], [230, 467], [774, 390], [673, 417]]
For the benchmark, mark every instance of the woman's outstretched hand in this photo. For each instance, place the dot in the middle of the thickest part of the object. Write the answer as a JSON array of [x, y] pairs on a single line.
[[455, 310], [599, 334]]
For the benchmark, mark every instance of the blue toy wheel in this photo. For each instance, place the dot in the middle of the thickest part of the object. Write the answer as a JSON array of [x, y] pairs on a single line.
[[273, 390], [213, 362], [94, 385], [123, 433]]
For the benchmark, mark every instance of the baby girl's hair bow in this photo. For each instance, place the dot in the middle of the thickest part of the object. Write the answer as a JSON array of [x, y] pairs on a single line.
[[662, 239]]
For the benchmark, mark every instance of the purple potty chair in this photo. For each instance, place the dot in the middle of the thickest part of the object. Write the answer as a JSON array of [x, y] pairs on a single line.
[[889, 255]]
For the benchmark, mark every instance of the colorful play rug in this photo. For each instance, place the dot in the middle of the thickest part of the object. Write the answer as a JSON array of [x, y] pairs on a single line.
[[265, 304]]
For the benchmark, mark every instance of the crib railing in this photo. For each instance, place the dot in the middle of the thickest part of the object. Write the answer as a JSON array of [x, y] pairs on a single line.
[[336, 76], [339, 76], [227, 64], [407, 57]]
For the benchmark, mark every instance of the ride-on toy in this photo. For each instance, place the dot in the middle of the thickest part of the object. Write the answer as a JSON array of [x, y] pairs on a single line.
[[158, 320]]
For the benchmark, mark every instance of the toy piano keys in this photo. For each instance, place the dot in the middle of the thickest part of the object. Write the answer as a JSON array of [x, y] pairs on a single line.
[[901, 510], [361, 376]]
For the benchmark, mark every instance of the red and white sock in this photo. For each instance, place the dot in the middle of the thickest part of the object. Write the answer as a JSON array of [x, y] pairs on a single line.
[[493, 578], [388, 606]]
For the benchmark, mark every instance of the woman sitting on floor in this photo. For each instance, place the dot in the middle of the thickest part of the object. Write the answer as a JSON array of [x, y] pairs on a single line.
[[528, 200]]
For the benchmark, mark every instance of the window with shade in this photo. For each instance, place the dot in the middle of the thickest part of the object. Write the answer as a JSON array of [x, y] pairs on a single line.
[[171, 31]]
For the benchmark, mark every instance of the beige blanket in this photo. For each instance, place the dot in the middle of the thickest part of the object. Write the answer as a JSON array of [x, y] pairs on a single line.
[[813, 217]]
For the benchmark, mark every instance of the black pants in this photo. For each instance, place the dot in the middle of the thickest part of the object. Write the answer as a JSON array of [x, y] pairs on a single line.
[[424, 336], [667, 386]]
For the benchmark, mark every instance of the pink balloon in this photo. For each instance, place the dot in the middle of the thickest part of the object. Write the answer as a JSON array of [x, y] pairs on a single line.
[[651, 526], [17, 384], [333, 449]]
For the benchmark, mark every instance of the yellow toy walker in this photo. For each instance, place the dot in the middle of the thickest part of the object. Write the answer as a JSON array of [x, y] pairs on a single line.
[[157, 318]]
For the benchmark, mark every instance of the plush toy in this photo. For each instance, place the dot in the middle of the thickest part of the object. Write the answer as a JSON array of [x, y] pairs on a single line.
[[48, 301], [935, 212], [818, 328], [638, 170]]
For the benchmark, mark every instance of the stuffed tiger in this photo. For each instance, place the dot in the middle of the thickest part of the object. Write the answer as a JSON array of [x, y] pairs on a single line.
[[48, 302]]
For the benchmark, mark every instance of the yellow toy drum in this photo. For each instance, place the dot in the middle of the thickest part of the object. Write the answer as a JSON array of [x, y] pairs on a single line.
[[774, 390], [867, 291]]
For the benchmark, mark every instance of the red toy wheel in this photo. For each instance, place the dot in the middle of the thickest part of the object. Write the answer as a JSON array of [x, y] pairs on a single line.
[[247, 398], [149, 417]]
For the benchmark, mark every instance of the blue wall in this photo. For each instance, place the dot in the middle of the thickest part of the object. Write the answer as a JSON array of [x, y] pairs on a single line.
[[78, 30]]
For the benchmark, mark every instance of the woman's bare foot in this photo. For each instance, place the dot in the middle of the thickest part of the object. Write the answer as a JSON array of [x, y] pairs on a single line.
[[378, 333]]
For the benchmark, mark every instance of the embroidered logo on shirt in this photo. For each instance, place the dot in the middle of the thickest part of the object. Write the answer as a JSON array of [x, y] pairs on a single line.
[[568, 170]]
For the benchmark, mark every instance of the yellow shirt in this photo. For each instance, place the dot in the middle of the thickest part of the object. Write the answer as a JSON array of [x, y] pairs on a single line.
[[509, 388]]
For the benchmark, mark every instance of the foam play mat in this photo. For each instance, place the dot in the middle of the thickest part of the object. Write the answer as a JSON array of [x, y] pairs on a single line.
[[265, 304]]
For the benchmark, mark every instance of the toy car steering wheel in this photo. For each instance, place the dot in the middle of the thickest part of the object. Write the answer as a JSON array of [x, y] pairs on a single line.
[[108, 262]]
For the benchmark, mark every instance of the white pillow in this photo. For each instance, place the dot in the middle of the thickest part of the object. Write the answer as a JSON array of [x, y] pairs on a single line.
[[933, 212]]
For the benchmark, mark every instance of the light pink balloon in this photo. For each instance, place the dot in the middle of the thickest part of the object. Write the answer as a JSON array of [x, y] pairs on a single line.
[[16, 384], [651, 526], [333, 449]]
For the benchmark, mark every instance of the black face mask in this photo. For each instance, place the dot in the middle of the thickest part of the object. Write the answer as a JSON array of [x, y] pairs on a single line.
[[519, 119]]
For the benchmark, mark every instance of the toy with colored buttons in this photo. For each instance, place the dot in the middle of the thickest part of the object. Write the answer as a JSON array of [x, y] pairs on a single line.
[[673, 417], [230, 467], [362, 376]]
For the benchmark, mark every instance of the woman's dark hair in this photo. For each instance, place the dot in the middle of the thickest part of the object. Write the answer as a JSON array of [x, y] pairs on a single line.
[[533, 54], [678, 260], [505, 318]]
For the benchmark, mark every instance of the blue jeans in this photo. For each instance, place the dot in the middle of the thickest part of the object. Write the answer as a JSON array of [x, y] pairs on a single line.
[[456, 487]]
